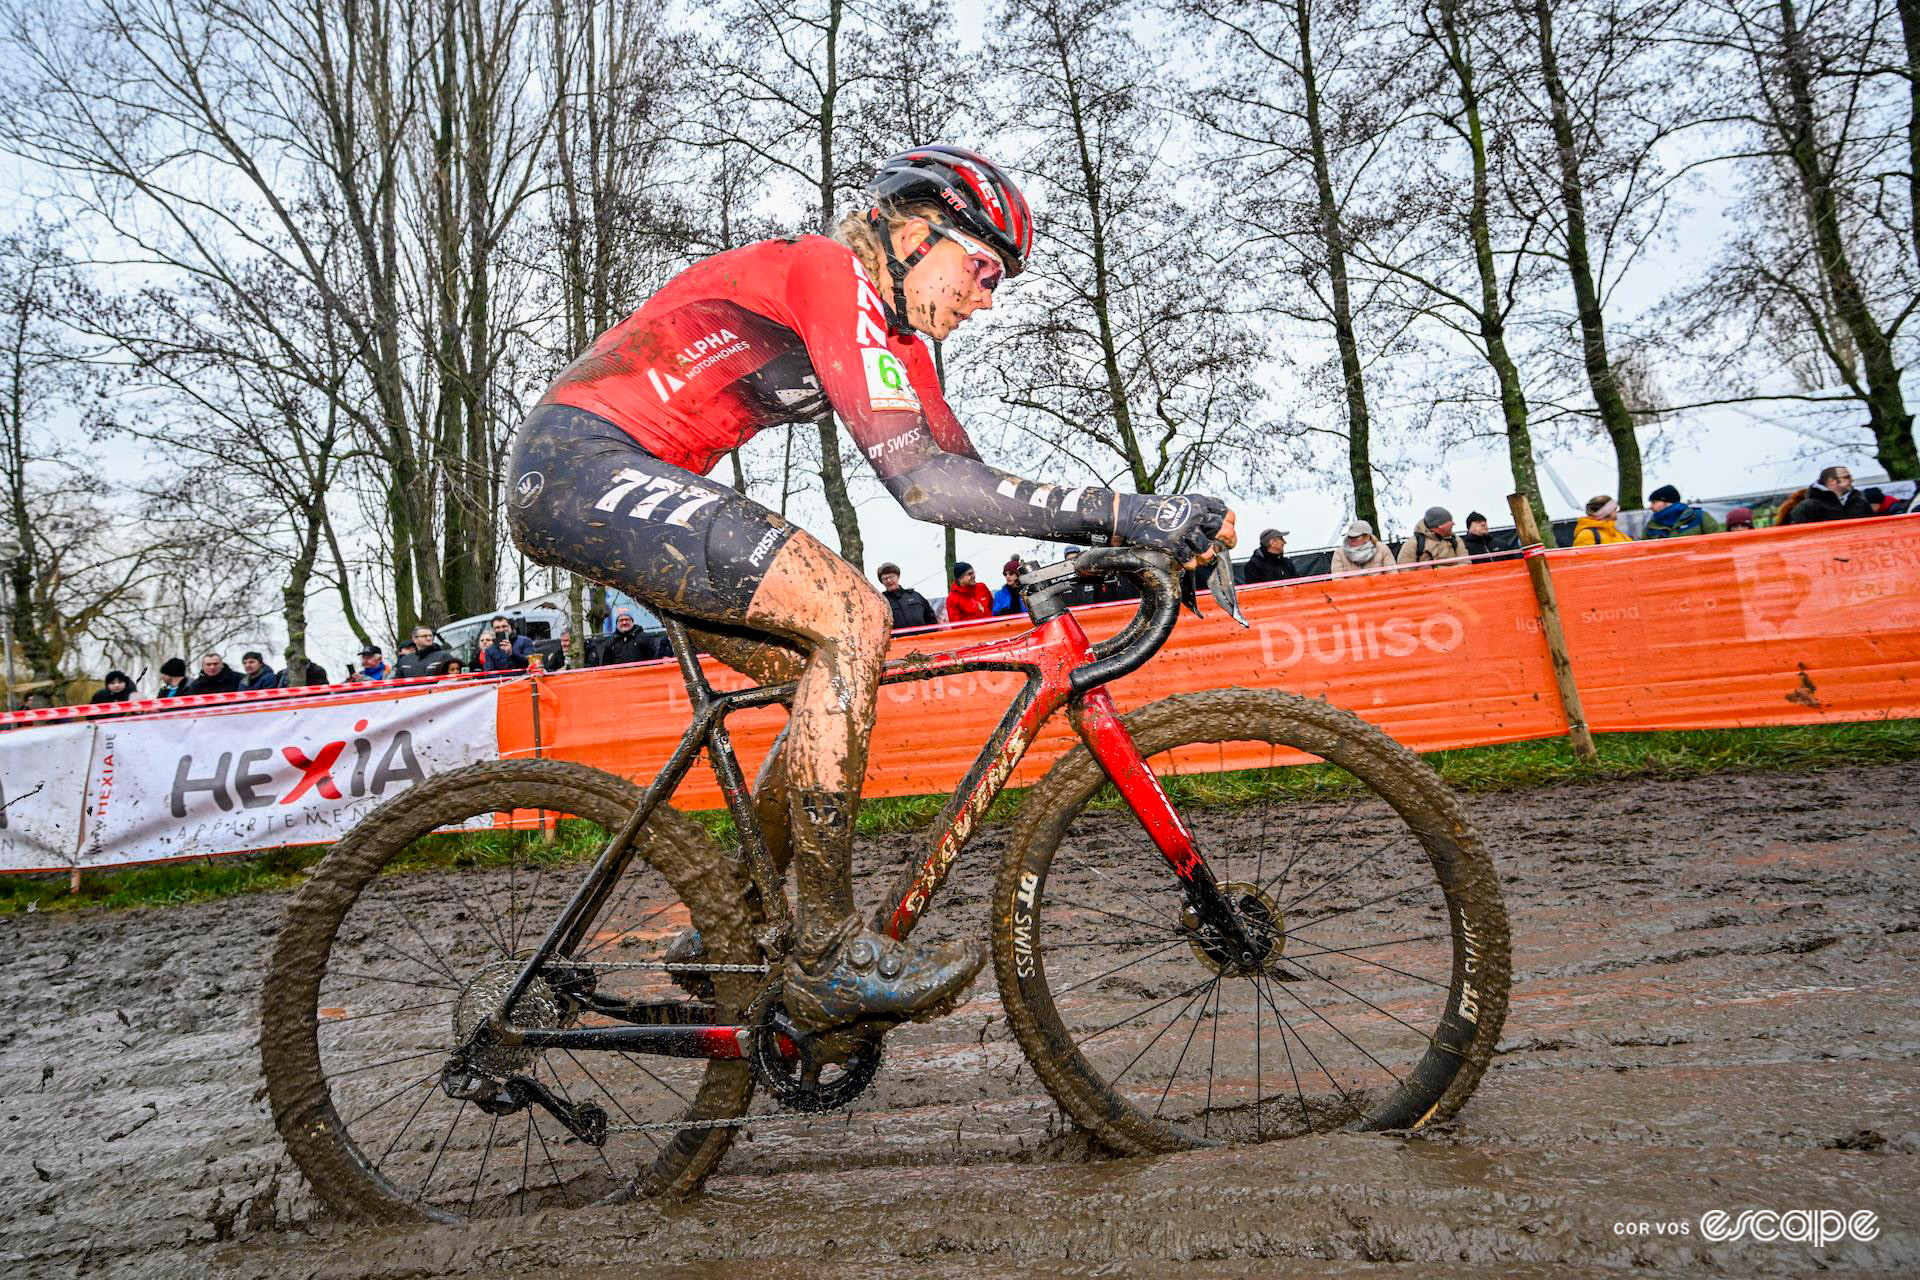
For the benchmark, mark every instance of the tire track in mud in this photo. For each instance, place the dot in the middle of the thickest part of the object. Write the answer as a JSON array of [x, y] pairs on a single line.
[[1717, 1005]]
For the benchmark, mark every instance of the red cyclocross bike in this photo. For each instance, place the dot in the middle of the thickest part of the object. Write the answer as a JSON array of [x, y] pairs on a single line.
[[1293, 954]]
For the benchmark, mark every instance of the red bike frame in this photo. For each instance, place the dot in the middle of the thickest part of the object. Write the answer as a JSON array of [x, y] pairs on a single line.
[[1058, 661]]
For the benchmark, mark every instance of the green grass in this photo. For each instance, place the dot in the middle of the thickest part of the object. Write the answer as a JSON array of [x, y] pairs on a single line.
[[1472, 769]]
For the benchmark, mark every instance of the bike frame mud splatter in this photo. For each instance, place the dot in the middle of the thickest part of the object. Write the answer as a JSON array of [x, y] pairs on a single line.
[[1063, 668]]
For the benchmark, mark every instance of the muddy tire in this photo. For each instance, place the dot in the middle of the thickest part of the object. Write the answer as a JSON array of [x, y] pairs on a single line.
[[350, 918], [1386, 987]]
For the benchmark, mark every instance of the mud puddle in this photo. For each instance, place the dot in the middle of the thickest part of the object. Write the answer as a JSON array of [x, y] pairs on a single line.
[[1716, 1007]]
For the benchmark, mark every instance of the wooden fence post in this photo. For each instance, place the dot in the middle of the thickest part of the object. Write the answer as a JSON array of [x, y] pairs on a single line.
[[549, 824], [1533, 550]]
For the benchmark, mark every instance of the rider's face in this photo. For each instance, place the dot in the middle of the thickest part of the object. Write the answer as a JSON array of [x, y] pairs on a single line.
[[950, 283]]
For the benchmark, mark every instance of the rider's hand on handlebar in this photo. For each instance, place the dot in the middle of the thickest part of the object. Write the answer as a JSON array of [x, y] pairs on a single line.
[[1185, 525]]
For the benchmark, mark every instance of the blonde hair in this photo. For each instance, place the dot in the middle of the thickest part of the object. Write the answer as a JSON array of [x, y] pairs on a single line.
[[858, 234]]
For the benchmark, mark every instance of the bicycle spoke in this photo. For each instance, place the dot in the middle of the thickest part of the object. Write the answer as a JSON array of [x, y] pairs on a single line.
[[1291, 903], [395, 1096], [1191, 1033], [486, 1154], [1120, 1075], [1159, 950], [424, 1099], [1141, 1013], [399, 982], [1307, 1048], [384, 1013], [1365, 1052], [448, 1137], [1358, 906], [1362, 999]]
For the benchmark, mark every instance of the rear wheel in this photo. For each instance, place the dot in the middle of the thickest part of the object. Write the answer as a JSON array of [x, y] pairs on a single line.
[[409, 934], [1380, 986]]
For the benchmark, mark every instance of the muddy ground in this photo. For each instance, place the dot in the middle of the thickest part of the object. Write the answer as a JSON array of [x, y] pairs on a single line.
[[1716, 1006]]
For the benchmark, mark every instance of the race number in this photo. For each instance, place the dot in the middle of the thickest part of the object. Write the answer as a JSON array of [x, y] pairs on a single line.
[[887, 386], [654, 492]]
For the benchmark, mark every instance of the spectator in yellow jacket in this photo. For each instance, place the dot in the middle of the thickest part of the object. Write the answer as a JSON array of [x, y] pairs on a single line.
[[1597, 527]]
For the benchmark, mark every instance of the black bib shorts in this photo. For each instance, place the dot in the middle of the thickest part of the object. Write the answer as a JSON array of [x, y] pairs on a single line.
[[585, 496]]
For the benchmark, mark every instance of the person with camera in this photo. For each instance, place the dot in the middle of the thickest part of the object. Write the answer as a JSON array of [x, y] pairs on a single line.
[[501, 649]]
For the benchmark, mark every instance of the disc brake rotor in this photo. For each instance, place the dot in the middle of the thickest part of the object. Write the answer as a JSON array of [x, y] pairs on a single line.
[[1260, 918]]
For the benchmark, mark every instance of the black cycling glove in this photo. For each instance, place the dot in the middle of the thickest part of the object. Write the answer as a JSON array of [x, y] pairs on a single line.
[[1181, 523]]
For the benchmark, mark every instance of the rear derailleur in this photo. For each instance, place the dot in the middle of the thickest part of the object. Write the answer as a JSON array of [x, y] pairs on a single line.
[[498, 1097]]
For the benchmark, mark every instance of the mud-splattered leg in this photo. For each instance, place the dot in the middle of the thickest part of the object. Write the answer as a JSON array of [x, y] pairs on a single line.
[[813, 596]]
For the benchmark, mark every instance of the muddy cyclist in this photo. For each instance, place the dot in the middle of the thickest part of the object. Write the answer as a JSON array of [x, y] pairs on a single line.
[[608, 481]]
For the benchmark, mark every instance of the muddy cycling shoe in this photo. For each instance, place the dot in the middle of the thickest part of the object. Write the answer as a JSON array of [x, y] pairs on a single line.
[[867, 975], [687, 948]]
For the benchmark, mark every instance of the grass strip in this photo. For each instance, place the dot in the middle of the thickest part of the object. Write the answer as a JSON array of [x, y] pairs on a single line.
[[1471, 769]]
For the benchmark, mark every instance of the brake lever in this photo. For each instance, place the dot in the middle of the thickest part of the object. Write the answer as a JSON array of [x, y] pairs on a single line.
[[1225, 594]]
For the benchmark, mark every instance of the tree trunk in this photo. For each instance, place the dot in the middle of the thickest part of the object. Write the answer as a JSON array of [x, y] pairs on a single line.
[[1910, 31], [1615, 416], [1333, 244], [1886, 407], [1513, 402], [833, 478], [293, 597]]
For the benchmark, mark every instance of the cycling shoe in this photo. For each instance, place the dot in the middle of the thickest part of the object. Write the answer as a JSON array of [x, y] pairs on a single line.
[[865, 975]]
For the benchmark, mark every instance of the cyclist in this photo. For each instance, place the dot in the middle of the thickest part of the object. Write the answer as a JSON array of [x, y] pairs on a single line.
[[607, 481]]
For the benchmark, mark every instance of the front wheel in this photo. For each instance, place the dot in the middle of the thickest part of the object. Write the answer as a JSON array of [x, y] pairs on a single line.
[[1381, 983]]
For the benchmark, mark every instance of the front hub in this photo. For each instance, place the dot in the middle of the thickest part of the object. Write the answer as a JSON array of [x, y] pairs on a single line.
[[1260, 919]]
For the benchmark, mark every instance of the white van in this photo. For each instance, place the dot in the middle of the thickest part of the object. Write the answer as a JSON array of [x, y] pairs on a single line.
[[542, 618]]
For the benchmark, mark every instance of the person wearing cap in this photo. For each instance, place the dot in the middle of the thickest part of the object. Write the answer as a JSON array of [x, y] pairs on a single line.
[[1740, 519], [173, 678], [628, 643], [1432, 539], [910, 608], [969, 597], [1673, 518], [1477, 538], [1007, 598], [373, 666], [1359, 551], [117, 688], [1269, 562], [1597, 527]]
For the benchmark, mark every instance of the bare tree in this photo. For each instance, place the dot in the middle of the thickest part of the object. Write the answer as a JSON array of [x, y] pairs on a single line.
[[1295, 104], [1825, 261], [1129, 356]]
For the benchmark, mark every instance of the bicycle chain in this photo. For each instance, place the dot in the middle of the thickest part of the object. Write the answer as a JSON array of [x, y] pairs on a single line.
[[671, 968]]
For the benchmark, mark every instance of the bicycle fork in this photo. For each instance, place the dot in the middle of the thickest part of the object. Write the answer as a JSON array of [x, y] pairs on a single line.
[[1097, 722]]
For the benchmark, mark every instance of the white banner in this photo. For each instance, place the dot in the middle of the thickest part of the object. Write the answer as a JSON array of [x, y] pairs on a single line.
[[259, 779], [43, 793]]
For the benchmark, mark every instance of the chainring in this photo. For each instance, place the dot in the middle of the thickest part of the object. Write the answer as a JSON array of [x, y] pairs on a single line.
[[796, 1081]]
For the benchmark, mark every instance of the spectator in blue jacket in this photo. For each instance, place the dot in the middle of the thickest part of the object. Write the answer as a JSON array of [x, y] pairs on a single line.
[[1007, 598], [373, 666], [258, 674], [503, 650], [1672, 518]]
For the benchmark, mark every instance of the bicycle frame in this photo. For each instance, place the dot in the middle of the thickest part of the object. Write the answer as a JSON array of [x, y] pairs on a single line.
[[1048, 655]]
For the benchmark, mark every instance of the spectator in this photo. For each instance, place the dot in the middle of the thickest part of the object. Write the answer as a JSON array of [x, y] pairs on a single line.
[[503, 650], [449, 666], [316, 676], [118, 688], [1739, 519], [215, 676], [173, 678], [373, 666], [1007, 598], [1359, 551], [1673, 518], [421, 655], [1478, 540], [1597, 528], [910, 608], [1831, 497], [1269, 562], [1880, 503], [1432, 539], [628, 643], [969, 597], [259, 674]]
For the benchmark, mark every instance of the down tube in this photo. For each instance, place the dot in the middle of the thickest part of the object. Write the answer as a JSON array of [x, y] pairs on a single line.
[[1098, 725], [976, 791]]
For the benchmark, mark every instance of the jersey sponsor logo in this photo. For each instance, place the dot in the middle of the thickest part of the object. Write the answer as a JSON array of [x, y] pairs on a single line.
[[894, 444], [653, 492], [887, 385], [712, 342], [527, 488], [1170, 514], [765, 545], [695, 359]]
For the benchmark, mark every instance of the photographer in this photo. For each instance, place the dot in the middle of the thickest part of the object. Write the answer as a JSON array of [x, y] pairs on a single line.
[[502, 650]]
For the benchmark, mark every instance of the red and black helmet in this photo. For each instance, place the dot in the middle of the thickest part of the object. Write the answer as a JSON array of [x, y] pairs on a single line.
[[981, 199]]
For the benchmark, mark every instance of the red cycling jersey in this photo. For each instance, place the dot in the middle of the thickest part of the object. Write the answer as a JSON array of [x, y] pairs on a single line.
[[784, 331]]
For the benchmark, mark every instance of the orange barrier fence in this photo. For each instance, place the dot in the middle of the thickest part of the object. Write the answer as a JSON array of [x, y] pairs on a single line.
[[1803, 624]]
